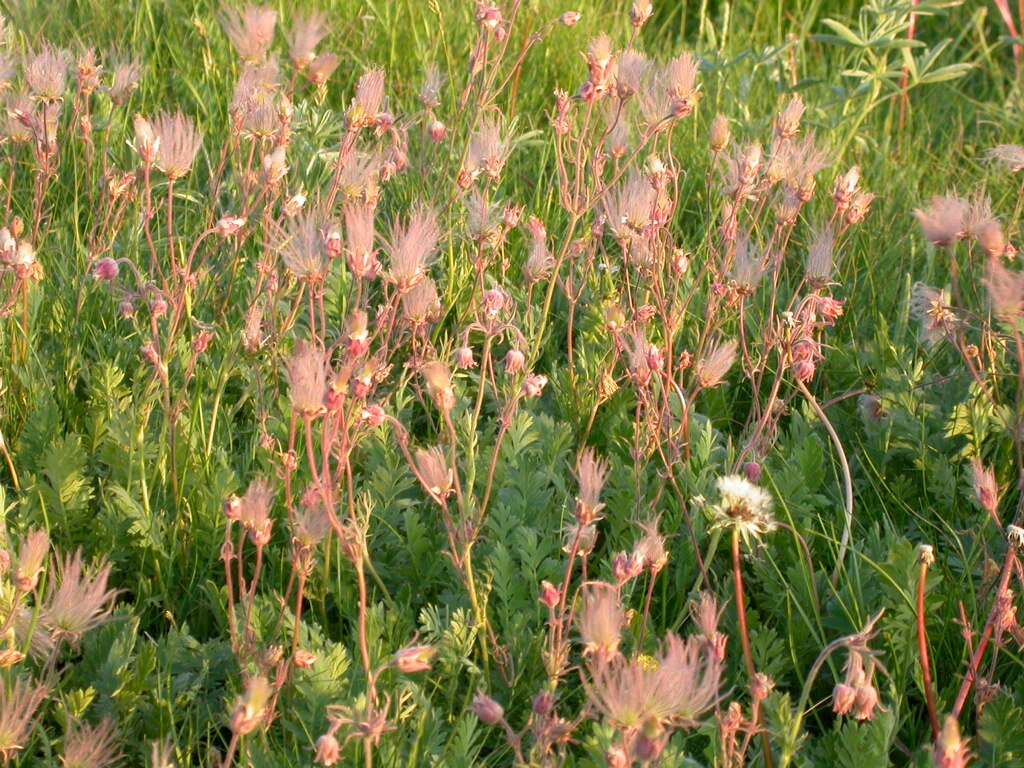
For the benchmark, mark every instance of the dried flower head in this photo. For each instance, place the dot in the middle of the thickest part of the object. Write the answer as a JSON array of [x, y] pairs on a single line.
[[46, 74], [430, 92], [368, 100], [986, 490], [788, 124], [178, 142], [932, 309], [673, 690], [250, 30], [412, 248], [744, 507], [421, 304], [303, 248], [18, 705], [487, 152], [307, 379], [943, 222], [1010, 155], [31, 558], [434, 471], [125, 81], [80, 600], [601, 620], [307, 30], [591, 474], [88, 746], [713, 367], [820, 262]]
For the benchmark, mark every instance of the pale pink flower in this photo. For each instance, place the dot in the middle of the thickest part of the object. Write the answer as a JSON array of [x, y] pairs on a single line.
[[713, 367], [250, 30], [254, 511], [46, 73], [434, 471], [789, 119], [487, 710], [368, 100], [413, 659], [31, 559], [986, 490]]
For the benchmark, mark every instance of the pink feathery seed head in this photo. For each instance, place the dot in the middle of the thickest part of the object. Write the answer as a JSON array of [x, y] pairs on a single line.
[[951, 750], [534, 385], [680, 77], [358, 333], [642, 11], [18, 705], [257, 504], [434, 471], [591, 474], [125, 81], [88, 70], [631, 74], [846, 187], [650, 549], [487, 710], [944, 220], [986, 490], [433, 84], [178, 143], [860, 205], [305, 34], [87, 746], [820, 263], [79, 601], [719, 133], [626, 567], [360, 233], [302, 247], [250, 30], [106, 270], [413, 247], [788, 123], [1005, 291], [515, 361], [1011, 156], [46, 73], [714, 366], [495, 302], [421, 304], [368, 100], [601, 620], [321, 68], [307, 379], [487, 152], [31, 559]]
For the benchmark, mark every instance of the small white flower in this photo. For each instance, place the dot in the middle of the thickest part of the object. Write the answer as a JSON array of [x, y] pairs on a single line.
[[743, 506], [1015, 535]]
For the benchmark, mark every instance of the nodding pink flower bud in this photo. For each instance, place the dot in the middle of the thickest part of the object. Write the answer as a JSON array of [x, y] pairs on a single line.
[[534, 385], [494, 302], [680, 262], [655, 359], [761, 686], [804, 370], [150, 355], [328, 750], [229, 225], [549, 594], [332, 240], [512, 216], [464, 358], [865, 702], [106, 270], [374, 415], [570, 18], [753, 471], [304, 659], [233, 507], [843, 698], [202, 342], [487, 709], [829, 309], [626, 567], [514, 361], [437, 131], [543, 704], [415, 658], [384, 122], [158, 307], [126, 308]]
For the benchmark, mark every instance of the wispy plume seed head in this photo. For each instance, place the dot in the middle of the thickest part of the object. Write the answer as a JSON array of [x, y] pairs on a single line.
[[250, 30]]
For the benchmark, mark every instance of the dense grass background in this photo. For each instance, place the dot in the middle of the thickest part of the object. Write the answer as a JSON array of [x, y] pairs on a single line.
[[73, 412]]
